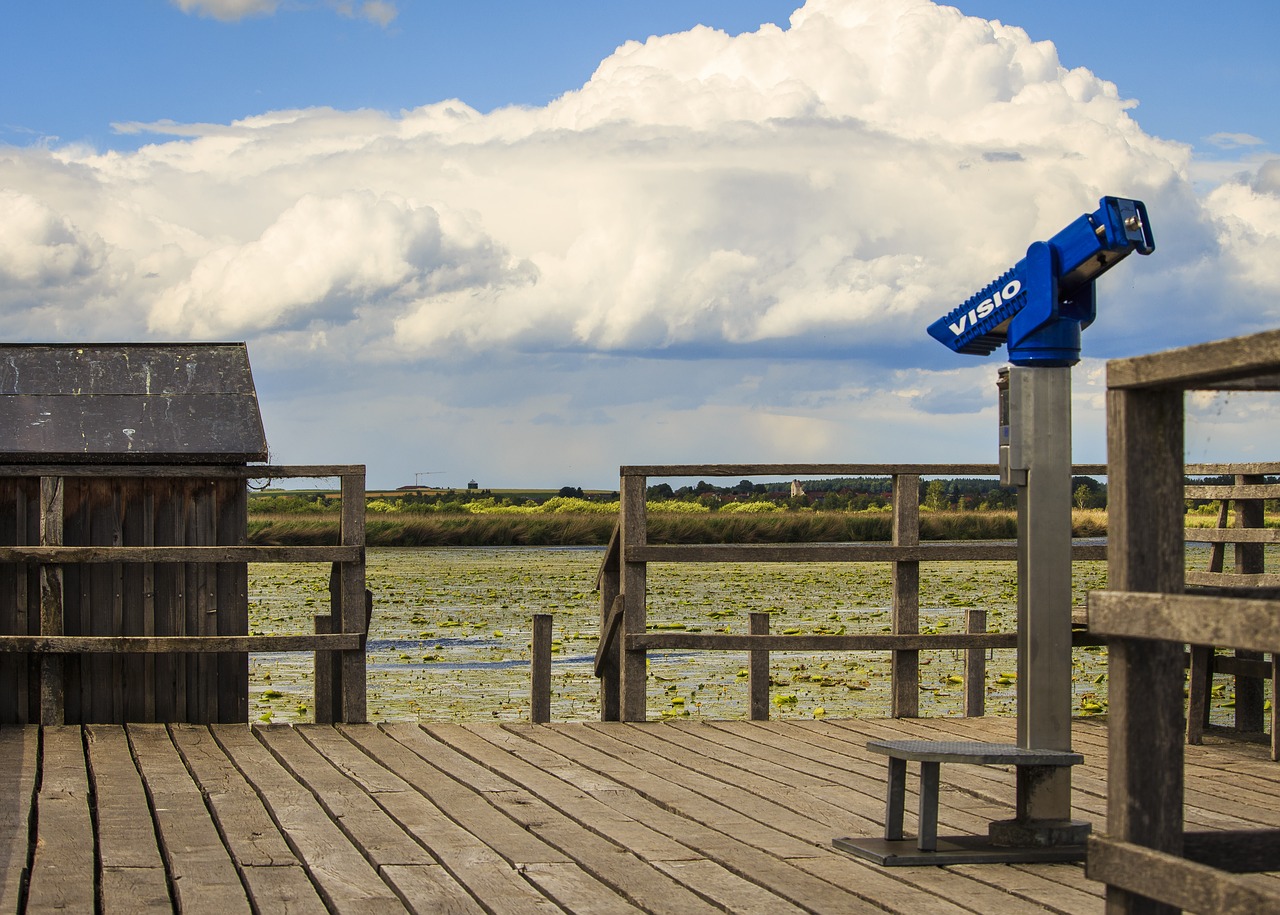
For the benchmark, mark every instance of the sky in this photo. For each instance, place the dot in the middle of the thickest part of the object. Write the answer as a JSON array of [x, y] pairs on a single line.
[[524, 244]]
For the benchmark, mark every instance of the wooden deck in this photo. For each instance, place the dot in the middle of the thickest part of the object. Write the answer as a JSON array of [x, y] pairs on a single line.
[[661, 817]]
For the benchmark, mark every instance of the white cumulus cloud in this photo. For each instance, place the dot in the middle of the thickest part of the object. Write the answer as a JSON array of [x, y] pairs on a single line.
[[819, 192]]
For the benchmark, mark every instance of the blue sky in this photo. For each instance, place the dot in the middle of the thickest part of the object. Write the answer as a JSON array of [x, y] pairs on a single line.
[[76, 67], [697, 247]]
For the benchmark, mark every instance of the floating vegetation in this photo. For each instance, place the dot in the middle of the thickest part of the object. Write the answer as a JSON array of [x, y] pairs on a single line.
[[452, 628]]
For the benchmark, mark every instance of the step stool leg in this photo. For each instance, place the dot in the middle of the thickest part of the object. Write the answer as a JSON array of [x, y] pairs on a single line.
[[928, 825], [896, 798]]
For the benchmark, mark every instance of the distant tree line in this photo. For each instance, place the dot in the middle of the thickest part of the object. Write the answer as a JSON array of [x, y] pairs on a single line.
[[837, 494]]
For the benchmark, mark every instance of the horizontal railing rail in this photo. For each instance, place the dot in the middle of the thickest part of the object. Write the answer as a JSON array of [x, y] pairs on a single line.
[[340, 635], [622, 582]]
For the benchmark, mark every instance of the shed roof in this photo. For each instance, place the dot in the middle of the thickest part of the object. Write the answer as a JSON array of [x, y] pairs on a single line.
[[129, 402]]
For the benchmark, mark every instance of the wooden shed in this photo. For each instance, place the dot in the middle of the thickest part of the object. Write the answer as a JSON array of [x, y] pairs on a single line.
[[125, 445]]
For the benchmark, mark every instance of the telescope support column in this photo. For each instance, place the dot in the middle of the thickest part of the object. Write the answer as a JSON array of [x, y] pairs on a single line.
[[1040, 467]]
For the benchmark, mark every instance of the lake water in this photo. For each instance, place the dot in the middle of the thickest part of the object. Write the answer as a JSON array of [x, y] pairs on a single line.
[[451, 631]]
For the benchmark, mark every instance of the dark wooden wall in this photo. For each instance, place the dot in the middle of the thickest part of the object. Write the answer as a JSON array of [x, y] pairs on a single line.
[[132, 599]]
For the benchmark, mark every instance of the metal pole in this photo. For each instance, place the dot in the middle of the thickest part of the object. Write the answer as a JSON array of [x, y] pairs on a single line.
[[1041, 397]]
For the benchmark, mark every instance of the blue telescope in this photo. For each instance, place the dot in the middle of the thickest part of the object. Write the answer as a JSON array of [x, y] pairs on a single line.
[[1041, 305]]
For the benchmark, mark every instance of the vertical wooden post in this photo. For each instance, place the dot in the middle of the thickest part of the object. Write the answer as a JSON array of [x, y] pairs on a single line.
[[975, 668], [352, 589], [905, 668], [1249, 561], [327, 673], [1145, 516], [1275, 706], [1200, 679], [540, 670], [633, 523], [52, 696], [610, 666], [758, 669]]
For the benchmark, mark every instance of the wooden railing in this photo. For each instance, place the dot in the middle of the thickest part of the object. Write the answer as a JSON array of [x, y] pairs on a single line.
[[339, 638], [1148, 861], [622, 583], [1248, 538]]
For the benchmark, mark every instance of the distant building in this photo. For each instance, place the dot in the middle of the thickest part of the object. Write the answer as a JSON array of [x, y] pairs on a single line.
[[797, 491], [473, 485]]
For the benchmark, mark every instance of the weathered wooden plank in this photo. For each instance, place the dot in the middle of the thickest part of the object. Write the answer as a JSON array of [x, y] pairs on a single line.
[[135, 889], [764, 822], [231, 600], [808, 470], [758, 671], [62, 871], [203, 876], [706, 821], [1232, 535], [904, 668], [561, 785], [346, 880], [67, 555], [1145, 678], [1248, 363], [1238, 851], [574, 890], [451, 822], [1174, 880], [126, 834], [839, 470], [18, 754], [1232, 491], [353, 611], [429, 889], [377, 837], [201, 471], [721, 641], [610, 624], [1217, 470], [1187, 618], [285, 889], [613, 847], [540, 670], [251, 836], [52, 621], [179, 644], [632, 524], [843, 552], [424, 761]]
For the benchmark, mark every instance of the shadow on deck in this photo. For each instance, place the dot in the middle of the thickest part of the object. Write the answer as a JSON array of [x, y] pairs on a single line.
[[661, 817]]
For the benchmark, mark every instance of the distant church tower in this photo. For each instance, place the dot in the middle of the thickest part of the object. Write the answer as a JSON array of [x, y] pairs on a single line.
[[797, 491]]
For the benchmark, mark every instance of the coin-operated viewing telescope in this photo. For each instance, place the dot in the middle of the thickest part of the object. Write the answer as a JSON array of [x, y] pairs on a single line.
[[1040, 306], [1038, 309]]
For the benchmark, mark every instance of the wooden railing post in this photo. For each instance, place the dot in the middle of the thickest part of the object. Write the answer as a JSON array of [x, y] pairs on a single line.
[[52, 693], [540, 670], [905, 675], [609, 653], [1145, 518], [352, 588], [328, 668], [975, 667], [758, 669], [632, 522], [1250, 560]]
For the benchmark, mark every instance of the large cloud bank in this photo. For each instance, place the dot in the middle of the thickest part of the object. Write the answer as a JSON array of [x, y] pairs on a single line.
[[822, 190]]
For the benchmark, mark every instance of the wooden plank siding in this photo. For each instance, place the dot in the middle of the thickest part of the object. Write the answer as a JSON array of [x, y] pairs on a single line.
[[124, 595], [693, 816]]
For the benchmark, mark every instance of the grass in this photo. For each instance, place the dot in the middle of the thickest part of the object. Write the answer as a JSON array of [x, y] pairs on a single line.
[[404, 530]]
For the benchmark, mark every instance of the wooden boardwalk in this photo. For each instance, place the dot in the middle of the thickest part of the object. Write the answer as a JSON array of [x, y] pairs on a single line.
[[594, 818]]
